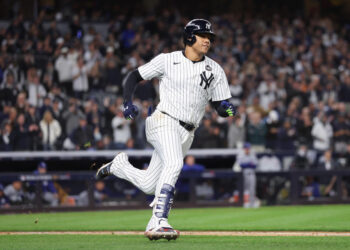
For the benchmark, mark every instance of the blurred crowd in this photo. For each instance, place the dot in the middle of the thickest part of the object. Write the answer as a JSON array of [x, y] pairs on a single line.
[[47, 190], [62, 89]]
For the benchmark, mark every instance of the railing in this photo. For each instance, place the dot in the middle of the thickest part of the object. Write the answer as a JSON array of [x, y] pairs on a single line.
[[108, 154]]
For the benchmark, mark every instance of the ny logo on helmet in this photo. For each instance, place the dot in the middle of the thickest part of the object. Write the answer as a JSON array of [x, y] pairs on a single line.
[[205, 80], [207, 25]]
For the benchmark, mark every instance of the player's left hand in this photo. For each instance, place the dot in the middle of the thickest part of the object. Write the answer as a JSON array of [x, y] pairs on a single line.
[[130, 111], [230, 109]]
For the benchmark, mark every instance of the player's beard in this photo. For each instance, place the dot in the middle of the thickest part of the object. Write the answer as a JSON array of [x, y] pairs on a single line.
[[201, 49], [205, 49]]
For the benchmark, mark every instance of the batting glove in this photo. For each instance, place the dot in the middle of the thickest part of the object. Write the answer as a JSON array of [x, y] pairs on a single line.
[[130, 111], [229, 108]]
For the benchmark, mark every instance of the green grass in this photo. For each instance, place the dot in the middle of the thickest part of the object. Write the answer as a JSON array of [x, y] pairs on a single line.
[[295, 218], [85, 242]]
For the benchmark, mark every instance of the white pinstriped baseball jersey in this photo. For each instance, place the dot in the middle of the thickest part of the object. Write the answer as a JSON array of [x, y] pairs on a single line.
[[186, 87]]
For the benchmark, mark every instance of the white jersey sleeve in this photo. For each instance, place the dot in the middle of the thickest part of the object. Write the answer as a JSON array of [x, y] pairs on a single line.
[[154, 68], [221, 89]]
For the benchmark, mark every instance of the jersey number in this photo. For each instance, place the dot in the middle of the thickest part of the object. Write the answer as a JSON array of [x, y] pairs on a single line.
[[206, 80]]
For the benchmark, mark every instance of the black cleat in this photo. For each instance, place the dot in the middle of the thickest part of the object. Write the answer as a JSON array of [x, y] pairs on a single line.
[[104, 171]]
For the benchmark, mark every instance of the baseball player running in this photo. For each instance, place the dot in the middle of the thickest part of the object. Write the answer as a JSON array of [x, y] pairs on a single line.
[[188, 81]]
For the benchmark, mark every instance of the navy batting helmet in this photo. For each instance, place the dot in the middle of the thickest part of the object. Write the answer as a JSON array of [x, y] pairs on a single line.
[[197, 26]]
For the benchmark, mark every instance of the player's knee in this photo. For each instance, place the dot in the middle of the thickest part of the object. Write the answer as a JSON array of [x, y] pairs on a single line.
[[150, 189], [174, 167]]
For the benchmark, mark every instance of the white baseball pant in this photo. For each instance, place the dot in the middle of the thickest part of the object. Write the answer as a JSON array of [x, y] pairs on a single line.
[[249, 182], [171, 142]]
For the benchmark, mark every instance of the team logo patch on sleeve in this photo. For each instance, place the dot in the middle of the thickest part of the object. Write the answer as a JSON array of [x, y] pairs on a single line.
[[207, 67]]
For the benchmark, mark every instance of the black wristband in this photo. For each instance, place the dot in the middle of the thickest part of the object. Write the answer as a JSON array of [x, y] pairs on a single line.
[[130, 83], [219, 109]]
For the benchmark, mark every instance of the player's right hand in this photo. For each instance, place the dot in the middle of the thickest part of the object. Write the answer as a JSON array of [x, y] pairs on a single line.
[[130, 111]]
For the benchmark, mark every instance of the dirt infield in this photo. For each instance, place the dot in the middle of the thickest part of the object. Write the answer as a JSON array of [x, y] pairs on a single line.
[[205, 233]]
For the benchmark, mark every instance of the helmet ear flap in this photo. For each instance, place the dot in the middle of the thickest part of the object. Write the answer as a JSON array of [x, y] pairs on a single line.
[[190, 40]]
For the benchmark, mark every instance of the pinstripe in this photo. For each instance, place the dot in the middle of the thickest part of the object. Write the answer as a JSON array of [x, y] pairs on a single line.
[[143, 179], [168, 139]]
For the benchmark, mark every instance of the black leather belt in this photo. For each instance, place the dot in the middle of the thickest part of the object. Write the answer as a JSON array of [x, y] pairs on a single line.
[[188, 126]]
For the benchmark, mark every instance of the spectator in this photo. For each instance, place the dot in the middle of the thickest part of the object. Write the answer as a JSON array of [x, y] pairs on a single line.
[[286, 137], [341, 136], [22, 137], [256, 132], [127, 37], [16, 194], [21, 103], [57, 111], [47, 105], [130, 144], [236, 89], [9, 91], [4, 201], [49, 192], [53, 31], [248, 162], [121, 130], [7, 139], [301, 159], [51, 131], [96, 80], [83, 136], [36, 91], [236, 132], [32, 120], [92, 55], [89, 36], [32, 116], [322, 133], [267, 91], [304, 127], [183, 187], [326, 162], [112, 70], [207, 135], [107, 142], [72, 117], [272, 127], [93, 59], [64, 66], [80, 78], [4, 114], [311, 189], [96, 128], [344, 92], [101, 193], [191, 165], [76, 29], [269, 163]]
